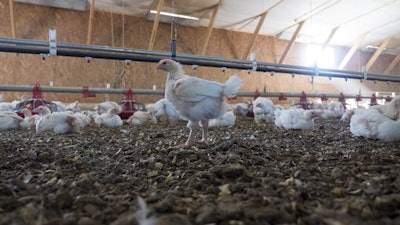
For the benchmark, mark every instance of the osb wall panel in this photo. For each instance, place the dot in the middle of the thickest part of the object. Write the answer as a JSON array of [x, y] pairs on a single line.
[[33, 22]]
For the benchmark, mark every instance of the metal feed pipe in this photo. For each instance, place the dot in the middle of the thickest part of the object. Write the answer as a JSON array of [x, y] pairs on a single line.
[[107, 52], [161, 92]]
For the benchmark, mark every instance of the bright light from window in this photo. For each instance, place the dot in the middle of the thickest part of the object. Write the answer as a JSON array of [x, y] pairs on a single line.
[[175, 15], [326, 58]]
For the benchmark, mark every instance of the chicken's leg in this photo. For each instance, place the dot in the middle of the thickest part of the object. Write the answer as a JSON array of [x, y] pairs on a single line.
[[193, 129], [204, 124]]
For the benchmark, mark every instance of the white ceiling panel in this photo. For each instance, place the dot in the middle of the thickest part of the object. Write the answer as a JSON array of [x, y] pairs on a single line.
[[380, 18]]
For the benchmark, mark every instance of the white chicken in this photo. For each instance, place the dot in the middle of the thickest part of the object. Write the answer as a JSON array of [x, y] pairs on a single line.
[[226, 120], [140, 118], [103, 107], [389, 130], [263, 110], [6, 106], [242, 109], [83, 117], [197, 100], [58, 122], [347, 115], [29, 117], [371, 123], [391, 110], [296, 119], [164, 109], [109, 119], [333, 110], [11, 120], [74, 107]]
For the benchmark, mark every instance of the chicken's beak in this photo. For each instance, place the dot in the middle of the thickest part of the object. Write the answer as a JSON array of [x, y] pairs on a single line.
[[158, 67]]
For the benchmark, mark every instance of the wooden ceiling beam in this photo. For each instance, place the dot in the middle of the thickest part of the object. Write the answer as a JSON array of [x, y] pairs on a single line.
[[12, 21], [375, 56], [392, 64], [257, 30], [155, 25], [291, 42], [210, 27], [90, 26], [352, 50], [253, 37]]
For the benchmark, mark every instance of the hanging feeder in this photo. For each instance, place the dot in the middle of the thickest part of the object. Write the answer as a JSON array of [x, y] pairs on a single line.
[[129, 106], [342, 99], [373, 100], [35, 101], [303, 101], [282, 97], [86, 94], [324, 98]]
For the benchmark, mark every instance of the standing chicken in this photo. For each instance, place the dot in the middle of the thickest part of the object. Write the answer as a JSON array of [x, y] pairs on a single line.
[[197, 100]]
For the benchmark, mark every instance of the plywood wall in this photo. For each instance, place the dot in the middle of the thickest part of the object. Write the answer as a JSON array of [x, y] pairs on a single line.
[[33, 22]]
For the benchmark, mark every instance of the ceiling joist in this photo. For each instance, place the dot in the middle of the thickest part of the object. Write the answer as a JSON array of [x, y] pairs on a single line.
[[90, 26], [155, 25], [352, 50], [291, 42], [210, 27], [375, 56], [392, 64], [257, 30], [11, 3], [253, 37]]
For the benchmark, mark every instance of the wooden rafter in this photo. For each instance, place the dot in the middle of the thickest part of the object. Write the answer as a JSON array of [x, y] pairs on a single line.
[[392, 64], [333, 31], [253, 37], [352, 50], [257, 30], [210, 27], [291, 42], [90, 26], [12, 21], [375, 56], [155, 25]]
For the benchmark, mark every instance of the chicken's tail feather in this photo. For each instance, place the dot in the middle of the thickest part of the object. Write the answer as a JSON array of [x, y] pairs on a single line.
[[232, 86]]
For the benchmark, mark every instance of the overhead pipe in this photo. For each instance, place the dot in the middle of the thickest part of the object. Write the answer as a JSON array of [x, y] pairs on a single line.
[[80, 90], [106, 52]]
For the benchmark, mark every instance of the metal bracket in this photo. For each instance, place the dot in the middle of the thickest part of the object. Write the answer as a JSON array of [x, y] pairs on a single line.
[[52, 42], [253, 61]]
